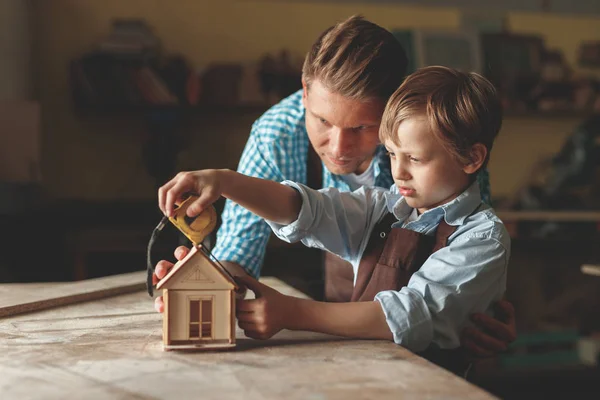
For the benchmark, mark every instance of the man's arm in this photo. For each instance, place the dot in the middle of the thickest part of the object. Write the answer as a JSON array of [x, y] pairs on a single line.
[[491, 335]]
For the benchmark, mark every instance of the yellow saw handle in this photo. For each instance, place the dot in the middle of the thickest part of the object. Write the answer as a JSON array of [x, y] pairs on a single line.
[[195, 229]]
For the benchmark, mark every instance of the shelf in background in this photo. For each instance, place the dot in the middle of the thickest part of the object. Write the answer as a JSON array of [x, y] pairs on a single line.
[[569, 226], [549, 216], [200, 109], [559, 114], [207, 109]]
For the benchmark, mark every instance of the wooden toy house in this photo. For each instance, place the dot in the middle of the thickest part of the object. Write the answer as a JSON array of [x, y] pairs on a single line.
[[199, 304]]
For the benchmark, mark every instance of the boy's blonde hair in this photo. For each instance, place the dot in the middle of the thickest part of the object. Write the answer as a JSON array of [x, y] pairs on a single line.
[[357, 59], [462, 109]]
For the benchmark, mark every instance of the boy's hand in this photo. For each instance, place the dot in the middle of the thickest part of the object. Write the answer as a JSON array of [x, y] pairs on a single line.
[[205, 183], [162, 269], [264, 316], [494, 334]]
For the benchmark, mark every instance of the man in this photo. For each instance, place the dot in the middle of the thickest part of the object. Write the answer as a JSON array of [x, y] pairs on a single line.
[[333, 122]]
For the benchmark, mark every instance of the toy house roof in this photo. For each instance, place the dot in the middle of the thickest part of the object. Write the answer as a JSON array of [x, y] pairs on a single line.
[[193, 252]]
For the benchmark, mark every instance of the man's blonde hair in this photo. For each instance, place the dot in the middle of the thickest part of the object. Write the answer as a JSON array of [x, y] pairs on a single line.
[[357, 59], [462, 109]]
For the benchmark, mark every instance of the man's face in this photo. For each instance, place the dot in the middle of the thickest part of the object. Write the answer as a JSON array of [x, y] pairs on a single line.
[[426, 174], [343, 132]]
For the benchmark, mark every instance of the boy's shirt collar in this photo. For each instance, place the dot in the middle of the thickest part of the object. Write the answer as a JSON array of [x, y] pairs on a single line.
[[454, 212]]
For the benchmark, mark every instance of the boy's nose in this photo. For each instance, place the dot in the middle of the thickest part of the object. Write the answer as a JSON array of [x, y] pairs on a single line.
[[400, 173]]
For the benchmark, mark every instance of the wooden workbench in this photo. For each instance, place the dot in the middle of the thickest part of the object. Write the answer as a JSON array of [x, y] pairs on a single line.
[[111, 348]]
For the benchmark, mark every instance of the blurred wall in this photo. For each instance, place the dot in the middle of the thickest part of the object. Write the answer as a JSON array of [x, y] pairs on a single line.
[[95, 158], [15, 50], [19, 116]]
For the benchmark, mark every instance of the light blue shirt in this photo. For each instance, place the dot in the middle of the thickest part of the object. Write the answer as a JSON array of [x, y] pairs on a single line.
[[466, 276]]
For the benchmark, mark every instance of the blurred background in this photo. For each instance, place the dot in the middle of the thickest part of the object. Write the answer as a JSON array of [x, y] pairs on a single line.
[[103, 101]]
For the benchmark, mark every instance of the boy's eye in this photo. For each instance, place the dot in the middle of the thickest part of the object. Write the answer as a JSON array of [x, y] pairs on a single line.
[[323, 121], [411, 158], [390, 154]]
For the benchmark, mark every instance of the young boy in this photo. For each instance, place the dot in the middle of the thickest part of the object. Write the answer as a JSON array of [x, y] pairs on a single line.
[[425, 254]]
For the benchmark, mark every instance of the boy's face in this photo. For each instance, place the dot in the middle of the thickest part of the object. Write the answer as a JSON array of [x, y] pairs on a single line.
[[343, 132], [426, 174]]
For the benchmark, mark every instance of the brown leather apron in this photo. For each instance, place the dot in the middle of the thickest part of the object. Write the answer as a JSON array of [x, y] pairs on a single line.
[[392, 255]]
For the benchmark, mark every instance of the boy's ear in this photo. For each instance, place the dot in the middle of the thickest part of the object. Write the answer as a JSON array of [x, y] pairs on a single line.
[[478, 154]]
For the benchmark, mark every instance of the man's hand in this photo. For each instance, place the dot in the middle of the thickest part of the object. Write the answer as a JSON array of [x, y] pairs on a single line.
[[206, 184], [494, 334], [162, 269], [264, 316]]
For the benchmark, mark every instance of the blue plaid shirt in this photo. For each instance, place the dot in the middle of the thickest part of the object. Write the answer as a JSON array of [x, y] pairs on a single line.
[[277, 150]]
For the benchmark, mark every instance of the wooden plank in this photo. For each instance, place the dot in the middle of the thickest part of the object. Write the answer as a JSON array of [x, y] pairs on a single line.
[[112, 348], [18, 298]]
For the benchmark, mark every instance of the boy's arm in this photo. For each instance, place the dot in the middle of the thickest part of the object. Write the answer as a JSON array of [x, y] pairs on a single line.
[[362, 320], [338, 222], [272, 311], [268, 199], [455, 281]]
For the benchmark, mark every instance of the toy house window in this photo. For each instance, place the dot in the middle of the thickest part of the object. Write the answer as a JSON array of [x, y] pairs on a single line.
[[201, 318]]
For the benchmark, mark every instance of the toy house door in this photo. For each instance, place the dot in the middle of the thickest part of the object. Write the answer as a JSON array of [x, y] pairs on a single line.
[[201, 318]]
